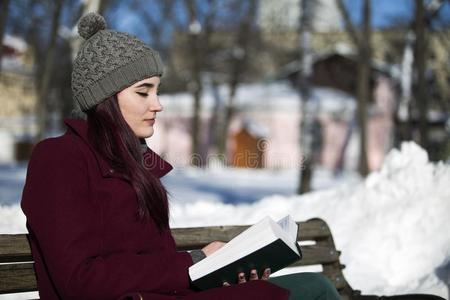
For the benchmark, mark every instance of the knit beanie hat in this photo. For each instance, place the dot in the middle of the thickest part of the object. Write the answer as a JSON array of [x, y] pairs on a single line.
[[108, 62]]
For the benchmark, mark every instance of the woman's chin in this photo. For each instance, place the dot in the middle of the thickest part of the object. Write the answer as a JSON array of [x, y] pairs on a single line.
[[145, 133]]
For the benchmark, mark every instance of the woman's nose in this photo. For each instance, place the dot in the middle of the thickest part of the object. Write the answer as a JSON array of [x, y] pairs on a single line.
[[155, 105]]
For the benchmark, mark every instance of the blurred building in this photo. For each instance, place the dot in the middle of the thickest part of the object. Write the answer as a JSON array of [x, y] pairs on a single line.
[[265, 129], [17, 97], [388, 46], [284, 15]]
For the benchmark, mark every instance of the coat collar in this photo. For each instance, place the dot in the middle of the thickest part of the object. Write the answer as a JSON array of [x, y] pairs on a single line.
[[152, 162]]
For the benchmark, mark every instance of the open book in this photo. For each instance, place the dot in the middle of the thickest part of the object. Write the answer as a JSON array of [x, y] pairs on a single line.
[[267, 244]]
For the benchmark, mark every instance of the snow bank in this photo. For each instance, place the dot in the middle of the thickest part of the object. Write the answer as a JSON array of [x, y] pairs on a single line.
[[392, 228]]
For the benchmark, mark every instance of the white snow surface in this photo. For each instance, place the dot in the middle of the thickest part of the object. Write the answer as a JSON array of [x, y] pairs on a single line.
[[393, 228]]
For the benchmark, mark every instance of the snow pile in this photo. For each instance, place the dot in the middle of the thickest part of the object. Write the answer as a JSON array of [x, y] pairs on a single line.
[[401, 219], [392, 228]]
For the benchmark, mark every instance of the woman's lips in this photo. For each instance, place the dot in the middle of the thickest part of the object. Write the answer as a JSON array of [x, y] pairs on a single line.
[[150, 121]]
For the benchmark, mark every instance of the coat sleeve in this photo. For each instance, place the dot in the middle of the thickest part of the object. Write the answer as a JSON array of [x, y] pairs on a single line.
[[65, 221]]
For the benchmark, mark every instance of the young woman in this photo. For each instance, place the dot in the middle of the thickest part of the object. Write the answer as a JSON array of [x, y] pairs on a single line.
[[97, 213]]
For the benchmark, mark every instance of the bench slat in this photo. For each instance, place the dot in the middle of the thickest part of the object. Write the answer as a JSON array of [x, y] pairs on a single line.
[[317, 255], [14, 248], [198, 237], [22, 279], [15, 278]]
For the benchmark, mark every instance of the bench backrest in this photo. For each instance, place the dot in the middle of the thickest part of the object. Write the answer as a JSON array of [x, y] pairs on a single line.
[[17, 272]]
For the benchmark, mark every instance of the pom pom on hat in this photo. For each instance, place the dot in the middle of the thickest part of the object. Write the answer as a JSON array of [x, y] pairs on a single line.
[[90, 24]]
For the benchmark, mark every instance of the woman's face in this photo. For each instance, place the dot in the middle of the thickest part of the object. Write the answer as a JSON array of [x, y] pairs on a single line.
[[139, 104]]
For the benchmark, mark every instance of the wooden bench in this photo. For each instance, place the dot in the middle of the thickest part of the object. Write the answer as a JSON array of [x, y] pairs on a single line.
[[17, 273]]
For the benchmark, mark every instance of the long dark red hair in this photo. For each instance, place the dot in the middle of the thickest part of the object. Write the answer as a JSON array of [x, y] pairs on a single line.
[[113, 139]]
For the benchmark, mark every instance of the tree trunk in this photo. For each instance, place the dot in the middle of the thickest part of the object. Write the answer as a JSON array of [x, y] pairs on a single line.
[[47, 72], [3, 18], [215, 122], [305, 177], [403, 126], [361, 39], [103, 6], [421, 98], [195, 84], [238, 66], [195, 125], [228, 115], [363, 89], [307, 115], [362, 94]]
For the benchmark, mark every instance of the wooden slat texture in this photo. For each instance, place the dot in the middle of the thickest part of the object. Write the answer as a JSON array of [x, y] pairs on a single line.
[[317, 255], [197, 237], [15, 278], [314, 229], [14, 248]]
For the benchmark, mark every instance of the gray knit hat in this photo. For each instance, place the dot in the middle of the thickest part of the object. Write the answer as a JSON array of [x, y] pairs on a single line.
[[108, 62]]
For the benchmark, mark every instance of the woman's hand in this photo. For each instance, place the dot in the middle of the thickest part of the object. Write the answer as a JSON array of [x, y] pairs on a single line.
[[212, 247], [253, 276]]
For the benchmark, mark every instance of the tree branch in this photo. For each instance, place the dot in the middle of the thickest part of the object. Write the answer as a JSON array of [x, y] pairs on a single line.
[[348, 23]]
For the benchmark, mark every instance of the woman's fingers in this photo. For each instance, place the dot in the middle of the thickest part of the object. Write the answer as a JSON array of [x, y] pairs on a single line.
[[241, 277], [253, 275], [226, 284], [266, 274], [212, 247]]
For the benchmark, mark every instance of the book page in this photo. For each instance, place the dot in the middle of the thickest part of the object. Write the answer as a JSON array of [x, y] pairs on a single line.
[[250, 232], [289, 226], [284, 236]]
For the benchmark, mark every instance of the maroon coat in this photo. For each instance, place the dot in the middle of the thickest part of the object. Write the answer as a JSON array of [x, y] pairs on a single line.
[[86, 239]]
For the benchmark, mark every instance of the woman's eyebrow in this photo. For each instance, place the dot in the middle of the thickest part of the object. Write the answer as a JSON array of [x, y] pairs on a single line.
[[145, 84]]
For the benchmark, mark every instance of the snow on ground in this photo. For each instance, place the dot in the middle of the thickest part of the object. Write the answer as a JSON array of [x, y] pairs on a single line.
[[392, 228]]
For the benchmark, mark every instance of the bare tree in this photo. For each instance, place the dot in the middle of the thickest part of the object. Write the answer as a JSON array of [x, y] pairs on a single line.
[[153, 14], [306, 126], [362, 41], [195, 84], [47, 70], [199, 35], [214, 38], [421, 52], [239, 59], [3, 17], [415, 61], [42, 31], [194, 35]]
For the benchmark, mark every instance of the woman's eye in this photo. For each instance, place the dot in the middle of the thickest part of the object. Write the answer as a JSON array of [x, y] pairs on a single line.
[[142, 94]]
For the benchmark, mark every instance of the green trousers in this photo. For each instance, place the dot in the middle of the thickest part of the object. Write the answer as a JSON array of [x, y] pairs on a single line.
[[307, 286]]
